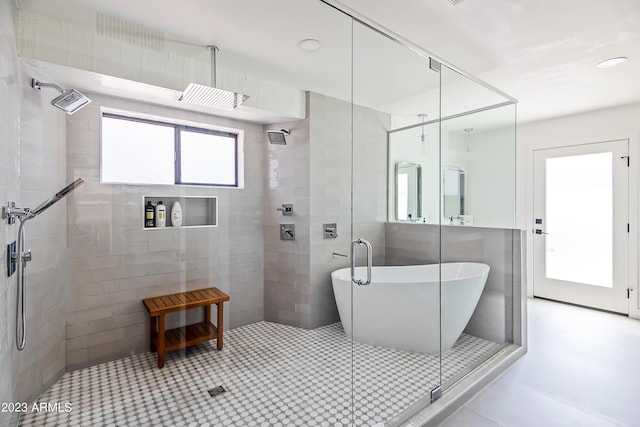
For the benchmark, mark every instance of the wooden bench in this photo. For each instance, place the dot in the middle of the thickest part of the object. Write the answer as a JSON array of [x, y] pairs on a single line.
[[185, 336]]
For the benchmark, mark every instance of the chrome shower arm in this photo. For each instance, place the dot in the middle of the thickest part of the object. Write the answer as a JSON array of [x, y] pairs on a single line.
[[36, 84]]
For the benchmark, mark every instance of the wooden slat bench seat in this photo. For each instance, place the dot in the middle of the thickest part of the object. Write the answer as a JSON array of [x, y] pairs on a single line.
[[174, 339]]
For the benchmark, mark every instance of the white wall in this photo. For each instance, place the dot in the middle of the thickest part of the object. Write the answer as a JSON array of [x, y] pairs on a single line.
[[596, 126]]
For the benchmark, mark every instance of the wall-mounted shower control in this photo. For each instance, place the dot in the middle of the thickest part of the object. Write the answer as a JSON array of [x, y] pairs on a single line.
[[287, 232], [330, 231], [286, 209], [11, 258]]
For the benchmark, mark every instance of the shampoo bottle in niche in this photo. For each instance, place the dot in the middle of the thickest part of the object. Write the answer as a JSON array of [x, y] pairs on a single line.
[[176, 214], [161, 215], [149, 215]]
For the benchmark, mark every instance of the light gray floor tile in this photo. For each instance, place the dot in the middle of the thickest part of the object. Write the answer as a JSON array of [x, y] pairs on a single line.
[[582, 368], [465, 417]]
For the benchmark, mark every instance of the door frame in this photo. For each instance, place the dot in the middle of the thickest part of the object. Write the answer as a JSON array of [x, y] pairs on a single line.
[[634, 196]]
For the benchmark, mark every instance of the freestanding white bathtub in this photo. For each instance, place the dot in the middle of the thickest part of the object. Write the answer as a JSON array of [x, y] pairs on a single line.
[[401, 307]]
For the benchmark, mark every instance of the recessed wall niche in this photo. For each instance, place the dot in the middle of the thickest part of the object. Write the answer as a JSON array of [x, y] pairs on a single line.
[[196, 211]]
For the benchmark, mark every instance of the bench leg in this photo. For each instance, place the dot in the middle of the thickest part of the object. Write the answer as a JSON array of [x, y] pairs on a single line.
[[153, 334], [207, 313], [220, 325], [161, 341]]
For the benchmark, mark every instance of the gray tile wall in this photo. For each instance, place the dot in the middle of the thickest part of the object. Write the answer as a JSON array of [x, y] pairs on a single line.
[[348, 155], [116, 264], [313, 171], [287, 262], [9, 190], [42, 174], [32, 167], [410, 244]]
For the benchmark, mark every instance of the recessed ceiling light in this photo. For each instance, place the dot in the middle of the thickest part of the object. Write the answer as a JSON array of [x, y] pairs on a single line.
[[612, 61], [309, 45]]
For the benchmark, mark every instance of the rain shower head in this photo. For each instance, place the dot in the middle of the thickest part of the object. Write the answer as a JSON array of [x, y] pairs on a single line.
[[69, 100], [278, 136], [210, 96], [56, 197]]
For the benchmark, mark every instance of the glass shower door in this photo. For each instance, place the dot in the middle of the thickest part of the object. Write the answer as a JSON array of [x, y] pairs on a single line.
[[395, 322]]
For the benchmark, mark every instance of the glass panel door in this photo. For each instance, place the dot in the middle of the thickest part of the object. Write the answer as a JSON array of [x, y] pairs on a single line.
[[395, 322], [581, 224]]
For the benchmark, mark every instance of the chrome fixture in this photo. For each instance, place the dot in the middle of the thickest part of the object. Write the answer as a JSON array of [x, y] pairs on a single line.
[[422, 119], [360, 282], [330, 231], [20, 257], [286, 209], [337, 254], [69, 100], [287, 232], [278, 136], [210, 96]]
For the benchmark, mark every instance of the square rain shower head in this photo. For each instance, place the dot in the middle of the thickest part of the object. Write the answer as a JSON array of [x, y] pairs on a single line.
[[277, 137], [70, 101], [212, 97]]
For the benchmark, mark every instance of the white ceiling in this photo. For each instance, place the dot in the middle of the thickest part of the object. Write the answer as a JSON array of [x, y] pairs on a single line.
[[542, 52]]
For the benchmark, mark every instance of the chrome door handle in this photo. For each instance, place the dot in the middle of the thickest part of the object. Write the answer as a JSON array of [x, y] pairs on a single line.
[[369, 262]]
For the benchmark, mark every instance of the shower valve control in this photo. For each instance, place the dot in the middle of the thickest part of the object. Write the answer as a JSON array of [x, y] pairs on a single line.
[[286, 209], [287, 232], [330, 231]]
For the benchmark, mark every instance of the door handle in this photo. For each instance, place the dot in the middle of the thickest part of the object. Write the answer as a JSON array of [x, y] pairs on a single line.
[[538, 231], [359, 282]]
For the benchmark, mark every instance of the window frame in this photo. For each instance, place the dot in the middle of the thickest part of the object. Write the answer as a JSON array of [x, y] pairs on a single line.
[[178, 128]]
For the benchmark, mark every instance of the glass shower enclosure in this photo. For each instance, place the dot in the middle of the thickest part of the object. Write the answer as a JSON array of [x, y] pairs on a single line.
[[345, 251]]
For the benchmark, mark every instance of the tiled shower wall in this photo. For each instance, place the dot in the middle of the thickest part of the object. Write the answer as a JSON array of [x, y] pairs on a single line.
[[42, 174], [314, 172], [287, 262], [9, 189], [116, 264], [348, 183], [32, 168], [501, 249]]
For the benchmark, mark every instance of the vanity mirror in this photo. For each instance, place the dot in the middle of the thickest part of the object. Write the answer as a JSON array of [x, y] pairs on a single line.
[[453, 192], [408, 178]]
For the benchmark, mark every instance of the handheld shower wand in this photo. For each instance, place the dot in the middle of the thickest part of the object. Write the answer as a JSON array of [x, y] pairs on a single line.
[[21, 257]]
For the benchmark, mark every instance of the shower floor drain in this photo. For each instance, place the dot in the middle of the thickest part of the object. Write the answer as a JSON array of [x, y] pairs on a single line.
[[216, 391]]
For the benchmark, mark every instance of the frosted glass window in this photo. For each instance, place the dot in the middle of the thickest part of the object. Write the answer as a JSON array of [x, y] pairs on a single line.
[[579, 219], [136, 152], [142, 151], [207, 158]]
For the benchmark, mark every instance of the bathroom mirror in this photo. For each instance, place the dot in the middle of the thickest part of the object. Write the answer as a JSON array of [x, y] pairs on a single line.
[[453, 192], [408, 177]]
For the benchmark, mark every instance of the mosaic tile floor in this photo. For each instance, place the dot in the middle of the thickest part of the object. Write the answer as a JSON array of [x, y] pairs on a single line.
[[274, 375]]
